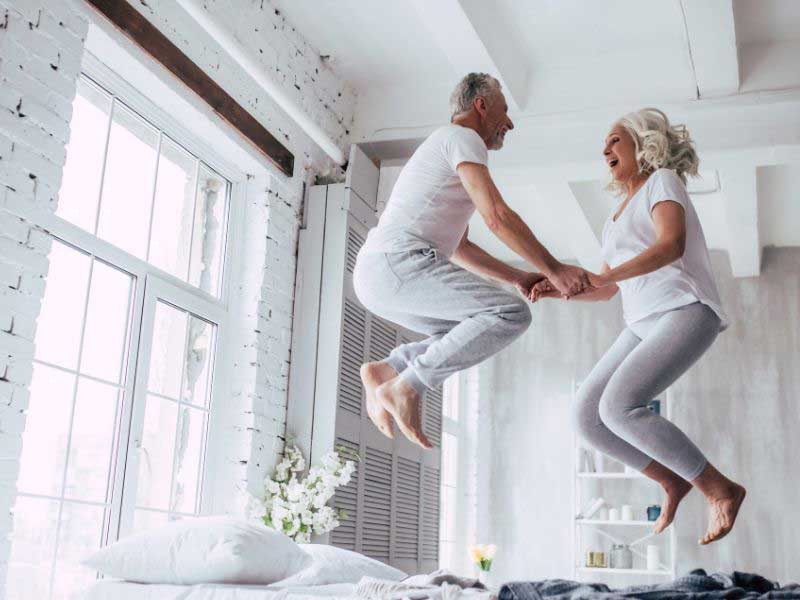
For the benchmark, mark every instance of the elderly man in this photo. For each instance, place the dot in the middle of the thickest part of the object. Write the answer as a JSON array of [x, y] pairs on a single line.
[[419, 270]]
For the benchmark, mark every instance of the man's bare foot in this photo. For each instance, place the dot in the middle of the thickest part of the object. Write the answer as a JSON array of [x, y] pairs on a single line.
[[723, 512], [675, 492], [374, 374], [403, 403]]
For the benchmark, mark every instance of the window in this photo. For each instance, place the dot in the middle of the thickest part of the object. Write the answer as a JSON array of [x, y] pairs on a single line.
[[124, 364], [449, 543]]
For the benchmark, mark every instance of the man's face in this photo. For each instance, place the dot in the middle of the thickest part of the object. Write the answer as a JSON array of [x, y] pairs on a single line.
[[496, 121]]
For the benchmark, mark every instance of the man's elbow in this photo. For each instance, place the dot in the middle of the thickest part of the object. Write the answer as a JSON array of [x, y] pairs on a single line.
[[498, 220]]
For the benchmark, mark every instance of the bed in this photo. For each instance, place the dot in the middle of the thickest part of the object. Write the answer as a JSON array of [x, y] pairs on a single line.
[[124, 590]]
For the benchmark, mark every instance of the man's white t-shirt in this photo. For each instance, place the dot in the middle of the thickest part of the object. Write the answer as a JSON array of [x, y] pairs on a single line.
[[429, 206], [684, 281]]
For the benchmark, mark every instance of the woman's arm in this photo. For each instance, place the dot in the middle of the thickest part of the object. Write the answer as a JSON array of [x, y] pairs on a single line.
[[544, 289], [670, 223]]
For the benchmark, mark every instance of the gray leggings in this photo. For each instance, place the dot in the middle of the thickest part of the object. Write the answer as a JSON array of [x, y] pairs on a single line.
[[611, 410]]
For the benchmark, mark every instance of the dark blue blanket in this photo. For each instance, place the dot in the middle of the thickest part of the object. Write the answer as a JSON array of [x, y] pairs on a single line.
[[697, 585]]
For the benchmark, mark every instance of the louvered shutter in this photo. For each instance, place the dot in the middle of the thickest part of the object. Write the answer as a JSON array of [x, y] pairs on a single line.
[[392, 501]]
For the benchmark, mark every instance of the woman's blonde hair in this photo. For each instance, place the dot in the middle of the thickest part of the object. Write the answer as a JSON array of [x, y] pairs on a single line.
[[659, 145]]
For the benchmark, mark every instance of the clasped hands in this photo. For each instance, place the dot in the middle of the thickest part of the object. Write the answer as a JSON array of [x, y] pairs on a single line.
[[566, 282]]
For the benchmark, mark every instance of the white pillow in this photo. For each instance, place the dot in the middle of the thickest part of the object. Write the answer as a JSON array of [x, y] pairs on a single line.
[[202, 550], [335, 565]]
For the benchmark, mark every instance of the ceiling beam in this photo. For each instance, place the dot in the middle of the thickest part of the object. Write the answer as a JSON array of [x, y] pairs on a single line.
[[582, 241], [472, 39], [711, 37], [740, 191]]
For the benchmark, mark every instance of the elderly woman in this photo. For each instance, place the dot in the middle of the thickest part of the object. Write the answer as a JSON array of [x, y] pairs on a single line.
[[655, 254]]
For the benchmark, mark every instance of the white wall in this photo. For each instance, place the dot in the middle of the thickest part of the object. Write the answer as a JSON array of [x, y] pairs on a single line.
[[41, 46], [739, 404]]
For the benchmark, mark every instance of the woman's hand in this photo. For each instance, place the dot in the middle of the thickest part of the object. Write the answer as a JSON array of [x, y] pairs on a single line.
[[599, 281], [543, 289], [526, 281]]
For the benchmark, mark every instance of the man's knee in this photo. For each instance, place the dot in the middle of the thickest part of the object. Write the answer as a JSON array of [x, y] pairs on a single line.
[[518, 312]]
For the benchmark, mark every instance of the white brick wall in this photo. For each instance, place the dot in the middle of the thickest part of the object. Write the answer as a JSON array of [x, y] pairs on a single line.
[[41, 44]]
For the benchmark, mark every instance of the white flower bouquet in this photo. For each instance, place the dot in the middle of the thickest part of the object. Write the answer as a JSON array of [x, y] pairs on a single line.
[[298, 506]]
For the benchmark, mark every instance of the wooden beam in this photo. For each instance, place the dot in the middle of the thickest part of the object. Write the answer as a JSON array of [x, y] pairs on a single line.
[[147, 36]]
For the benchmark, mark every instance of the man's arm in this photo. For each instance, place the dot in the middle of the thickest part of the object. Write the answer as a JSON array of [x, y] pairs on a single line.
[[475, 259], [514, 233]]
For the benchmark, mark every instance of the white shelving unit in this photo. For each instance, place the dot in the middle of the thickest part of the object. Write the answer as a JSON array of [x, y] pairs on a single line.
[[599, 534]]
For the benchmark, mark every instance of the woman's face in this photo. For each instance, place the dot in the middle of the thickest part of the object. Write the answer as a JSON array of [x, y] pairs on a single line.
[[620, 154]]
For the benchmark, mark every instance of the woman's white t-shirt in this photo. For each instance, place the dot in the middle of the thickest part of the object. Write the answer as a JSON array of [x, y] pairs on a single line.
[[684, 281]]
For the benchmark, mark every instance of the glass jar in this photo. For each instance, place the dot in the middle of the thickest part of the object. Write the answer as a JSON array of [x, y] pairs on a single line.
[[621, 557]]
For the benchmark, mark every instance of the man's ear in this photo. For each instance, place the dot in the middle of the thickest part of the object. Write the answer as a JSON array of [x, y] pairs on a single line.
[[480, 105]]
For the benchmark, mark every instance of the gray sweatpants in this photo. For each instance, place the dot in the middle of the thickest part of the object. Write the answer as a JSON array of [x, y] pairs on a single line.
[[611, 412], [467, 319]]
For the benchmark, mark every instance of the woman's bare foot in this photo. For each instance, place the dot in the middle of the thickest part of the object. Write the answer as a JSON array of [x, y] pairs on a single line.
[[403, 403], [722, 513], [724, 498], [374, 374], [674, 494], [675, 488]]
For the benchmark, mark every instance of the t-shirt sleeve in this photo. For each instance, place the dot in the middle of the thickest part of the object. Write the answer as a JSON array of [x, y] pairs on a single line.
[[668, 186], [465, 145]]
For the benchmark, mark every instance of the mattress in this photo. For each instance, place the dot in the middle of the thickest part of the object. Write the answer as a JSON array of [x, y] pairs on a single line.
[[109, 589]]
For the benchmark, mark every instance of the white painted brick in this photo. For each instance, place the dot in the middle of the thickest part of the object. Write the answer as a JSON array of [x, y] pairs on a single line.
[[13, 228]]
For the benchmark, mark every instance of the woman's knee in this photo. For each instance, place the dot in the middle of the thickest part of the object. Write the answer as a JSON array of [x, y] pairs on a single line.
[[585, 417], [615, 408]]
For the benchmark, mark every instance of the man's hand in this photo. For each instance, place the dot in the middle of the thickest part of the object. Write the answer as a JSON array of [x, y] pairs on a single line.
[[543, 289], [570, 280], [526, 282]]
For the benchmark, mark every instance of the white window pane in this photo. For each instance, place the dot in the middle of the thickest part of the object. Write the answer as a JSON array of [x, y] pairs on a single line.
[[449, 460], [80, 186], [150, 519], [199, 359], [451, 393], [156, 453], [167, 351], [93, 430], [450, 525], [128, 182], [104, 344], [58, 330], [44, 443], [191, 434], [32, 547], [209, 229], [173, 210], [79, 536]]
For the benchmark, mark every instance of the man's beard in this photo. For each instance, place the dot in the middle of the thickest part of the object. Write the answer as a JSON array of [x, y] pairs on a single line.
[[497, 141]]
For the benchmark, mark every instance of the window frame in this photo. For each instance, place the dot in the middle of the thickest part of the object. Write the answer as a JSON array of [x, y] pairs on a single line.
[[151, 283]]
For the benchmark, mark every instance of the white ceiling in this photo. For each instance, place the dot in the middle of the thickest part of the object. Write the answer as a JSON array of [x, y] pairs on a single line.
[[728, 69]]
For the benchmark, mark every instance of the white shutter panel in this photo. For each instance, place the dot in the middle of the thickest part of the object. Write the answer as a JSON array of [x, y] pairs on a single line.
[[346, 499], [376, 520], [407, 511], [432, 415], [429, 523], [354, 332], [392, 501]]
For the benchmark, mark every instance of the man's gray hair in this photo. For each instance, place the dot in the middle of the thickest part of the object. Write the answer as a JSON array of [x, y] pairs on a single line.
[[472, 86]]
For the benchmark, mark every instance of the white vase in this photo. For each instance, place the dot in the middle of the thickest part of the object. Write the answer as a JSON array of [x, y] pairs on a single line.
[[483, 577]]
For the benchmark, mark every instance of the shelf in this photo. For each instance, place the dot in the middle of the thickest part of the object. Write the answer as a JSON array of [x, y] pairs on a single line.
[[660, 572], [620, 522], [611, 476]]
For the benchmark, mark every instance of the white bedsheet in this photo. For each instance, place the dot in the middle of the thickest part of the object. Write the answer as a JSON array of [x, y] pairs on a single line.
[[124, 590]]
